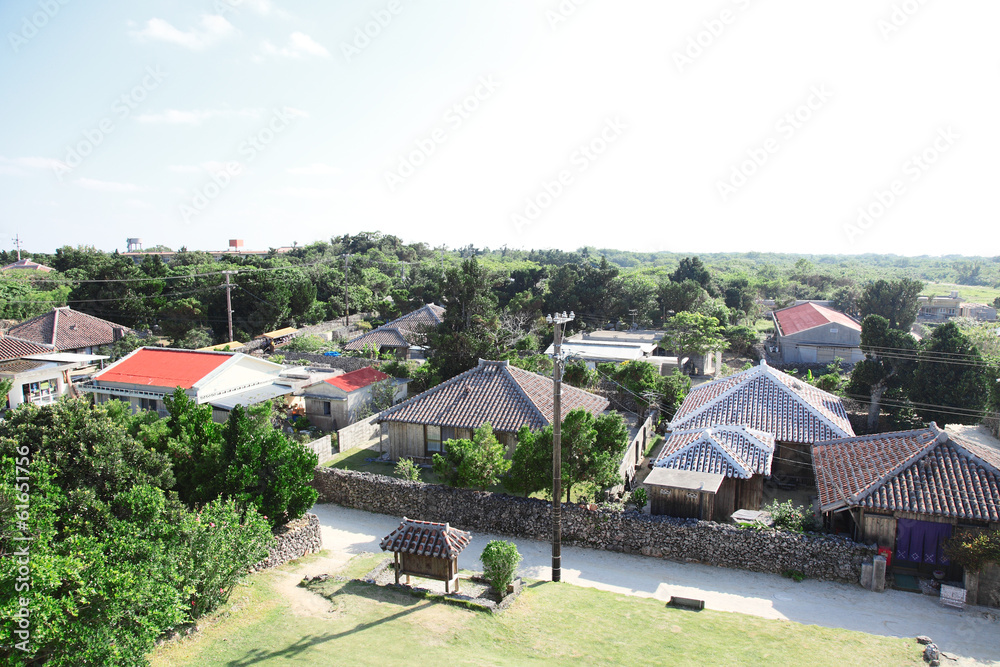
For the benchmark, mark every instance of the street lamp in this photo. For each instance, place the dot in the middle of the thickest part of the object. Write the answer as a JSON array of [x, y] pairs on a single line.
[[557, 321]]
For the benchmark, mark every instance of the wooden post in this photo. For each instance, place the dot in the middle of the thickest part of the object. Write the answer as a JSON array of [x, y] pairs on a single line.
[[397, 567]]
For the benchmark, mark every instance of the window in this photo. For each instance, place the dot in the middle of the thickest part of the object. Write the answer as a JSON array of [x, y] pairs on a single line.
[[147, 403], [432, 437], [326, 408]]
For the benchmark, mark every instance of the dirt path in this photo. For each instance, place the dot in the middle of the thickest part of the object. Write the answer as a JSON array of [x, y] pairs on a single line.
[[974, 633]]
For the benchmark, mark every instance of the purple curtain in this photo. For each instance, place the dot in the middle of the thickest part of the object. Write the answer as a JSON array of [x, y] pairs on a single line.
[[921, 542]]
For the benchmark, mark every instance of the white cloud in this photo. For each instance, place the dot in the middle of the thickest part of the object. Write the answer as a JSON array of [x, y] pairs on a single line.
[[195, 116], [316, 169], [299, 45], [212, 29], [17, 165], [306, 193], [211, 167], [109, 186]]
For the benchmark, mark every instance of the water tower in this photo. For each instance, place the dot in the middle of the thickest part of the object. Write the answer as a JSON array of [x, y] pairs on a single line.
[[134, 245]]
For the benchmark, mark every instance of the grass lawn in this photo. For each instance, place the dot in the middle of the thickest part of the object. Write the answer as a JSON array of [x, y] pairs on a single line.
[[558, 624], [973, 293]]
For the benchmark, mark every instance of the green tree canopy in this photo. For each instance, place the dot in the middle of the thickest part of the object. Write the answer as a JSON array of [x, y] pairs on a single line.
[[886, 372], [951, 384], [895, 300]]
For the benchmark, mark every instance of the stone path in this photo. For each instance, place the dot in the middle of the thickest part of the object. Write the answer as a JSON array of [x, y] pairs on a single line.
[[973, 633]]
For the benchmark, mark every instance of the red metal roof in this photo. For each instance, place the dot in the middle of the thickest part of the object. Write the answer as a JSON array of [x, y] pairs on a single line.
[[809, 316], [358, 379], [155, 367]]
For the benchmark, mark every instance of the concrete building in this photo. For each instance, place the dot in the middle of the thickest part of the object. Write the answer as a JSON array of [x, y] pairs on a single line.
[[813, 334], [335, 402], [938, 308]]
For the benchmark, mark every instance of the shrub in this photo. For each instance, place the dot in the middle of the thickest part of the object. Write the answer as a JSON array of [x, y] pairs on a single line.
[[309, 344], [788, 516], [500, 560], [830, 382], [794, 575], [408, 470], [973, 550], [639, 498]]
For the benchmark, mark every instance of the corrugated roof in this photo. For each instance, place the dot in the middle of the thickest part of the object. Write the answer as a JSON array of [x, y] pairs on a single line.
[[809, 316], [733, 451], [495, 392], [357, 379], [768, 400], [410, 329], [279, 333], [925, 471], [163, 367], [68, 329], [424, 538]]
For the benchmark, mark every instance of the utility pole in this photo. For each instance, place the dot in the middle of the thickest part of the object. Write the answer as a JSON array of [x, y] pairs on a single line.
[[347, 303], [229, 305], [17, 244], [557, 321]]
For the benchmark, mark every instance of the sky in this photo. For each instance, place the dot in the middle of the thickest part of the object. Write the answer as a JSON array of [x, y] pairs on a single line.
[[862, 126]]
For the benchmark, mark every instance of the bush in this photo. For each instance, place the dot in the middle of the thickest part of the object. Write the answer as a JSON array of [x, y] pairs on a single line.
[[973, 550], [830, 382], [788, 516], [639, 498], [500, 560], [308, 344], [408, 470]]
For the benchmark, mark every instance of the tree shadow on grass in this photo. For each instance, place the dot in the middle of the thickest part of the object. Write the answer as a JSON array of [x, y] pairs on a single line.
[[256, 656]]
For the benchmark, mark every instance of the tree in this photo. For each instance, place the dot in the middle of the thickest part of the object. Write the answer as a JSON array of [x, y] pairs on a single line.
[[887, 370], [741, 339], [996, 303], [693, 334], [531, 464], [845, 299], [476, 463], [673, 390], [577, 448], [950, 373], [577, 374], [178, 317], [686, 295], [692, 268], [894, 300]]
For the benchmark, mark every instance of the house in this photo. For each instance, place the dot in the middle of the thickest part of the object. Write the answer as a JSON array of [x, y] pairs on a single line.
[[813, 334], [938, 308], [28, 265], [68, 330], [403, 335], [335, 402], [796, 414], [741, 455], [594, 352], [494, 391], [908, 491], [220, 379], [978, 311], [38, 375]]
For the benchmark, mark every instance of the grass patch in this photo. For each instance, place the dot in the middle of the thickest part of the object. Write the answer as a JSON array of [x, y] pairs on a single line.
[[551, 623], [654, 442], [973, 293]]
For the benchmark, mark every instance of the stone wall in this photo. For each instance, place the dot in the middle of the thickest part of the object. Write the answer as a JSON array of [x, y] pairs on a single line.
[[293, 540], [686, 540], [347, 364]]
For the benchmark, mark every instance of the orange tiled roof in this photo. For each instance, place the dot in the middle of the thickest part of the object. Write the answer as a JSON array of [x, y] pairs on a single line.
[[68, 329], [505, 396], [926, 471], [424, 538], [15, 348]]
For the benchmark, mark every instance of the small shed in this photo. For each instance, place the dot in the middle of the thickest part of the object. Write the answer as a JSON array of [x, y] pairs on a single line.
[[427, 549], [683, 493]]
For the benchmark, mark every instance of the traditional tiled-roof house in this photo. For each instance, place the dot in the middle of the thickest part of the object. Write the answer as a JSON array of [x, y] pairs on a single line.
[[402, 333], [334, 402], [742, 455], [810, 333], [763, 398], [909, 490], [68, 330], [494, 391], [427, 549], [221, 379]]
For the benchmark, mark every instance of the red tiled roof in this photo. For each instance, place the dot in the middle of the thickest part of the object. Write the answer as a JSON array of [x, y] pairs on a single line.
[[357, 379], [163, 367], [410, 329], [925, 471], [29, 265], [424, 538], [15, 348], [733, 451], [496, 392], [809, 316], [68, 329], [768, 400]]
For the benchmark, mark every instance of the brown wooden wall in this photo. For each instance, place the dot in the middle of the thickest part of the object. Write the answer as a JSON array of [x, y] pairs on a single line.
[[681, 503], [428, 566]]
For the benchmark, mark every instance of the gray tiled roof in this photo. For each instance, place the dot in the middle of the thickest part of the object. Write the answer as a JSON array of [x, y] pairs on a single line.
[[925, 471], [768, 400], [15, 348], [68, 329], [733, 451], [410, 329], [496, 392]]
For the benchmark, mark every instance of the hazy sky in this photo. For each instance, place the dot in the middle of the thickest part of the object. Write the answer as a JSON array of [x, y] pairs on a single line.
[[771, 125]]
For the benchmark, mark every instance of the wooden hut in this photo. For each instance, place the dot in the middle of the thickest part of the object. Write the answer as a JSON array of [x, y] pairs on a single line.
[[683, 493], [428, 550]]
